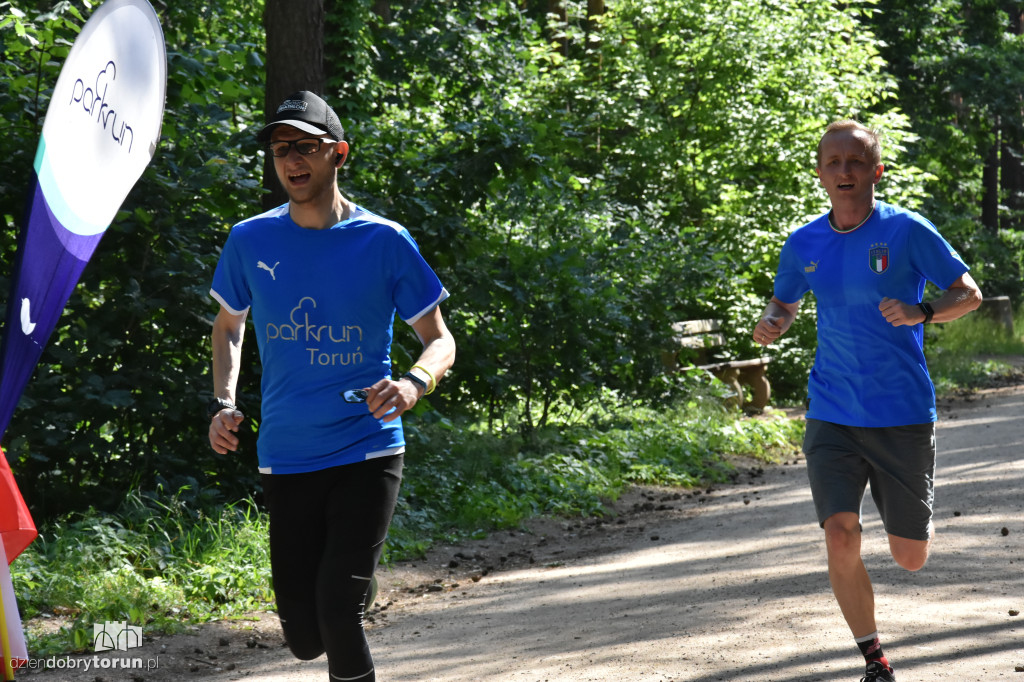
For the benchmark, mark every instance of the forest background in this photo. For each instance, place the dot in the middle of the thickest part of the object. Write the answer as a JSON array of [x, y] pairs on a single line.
[[580, 175]]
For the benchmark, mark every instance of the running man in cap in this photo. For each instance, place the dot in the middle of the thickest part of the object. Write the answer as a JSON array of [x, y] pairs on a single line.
[[871, 416], [323, 279]]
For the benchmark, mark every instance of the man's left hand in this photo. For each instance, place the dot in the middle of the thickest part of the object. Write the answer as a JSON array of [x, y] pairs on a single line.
[[898, 314], [388, 399]]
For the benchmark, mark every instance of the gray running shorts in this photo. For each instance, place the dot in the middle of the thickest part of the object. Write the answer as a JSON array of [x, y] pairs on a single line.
[[898, 461]]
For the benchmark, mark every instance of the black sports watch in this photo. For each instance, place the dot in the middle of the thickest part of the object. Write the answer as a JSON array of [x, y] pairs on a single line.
[[926, 308], [416, 380], [218, 404]]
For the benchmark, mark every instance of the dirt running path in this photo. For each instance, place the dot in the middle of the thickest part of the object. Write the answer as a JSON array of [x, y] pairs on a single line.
[[727, 584]]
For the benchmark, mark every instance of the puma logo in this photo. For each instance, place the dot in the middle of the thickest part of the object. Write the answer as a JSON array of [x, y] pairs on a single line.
[[263, 266], [813, 266]]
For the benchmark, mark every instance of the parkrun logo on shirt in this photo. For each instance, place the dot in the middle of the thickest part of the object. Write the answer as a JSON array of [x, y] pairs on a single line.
[[321, 341]]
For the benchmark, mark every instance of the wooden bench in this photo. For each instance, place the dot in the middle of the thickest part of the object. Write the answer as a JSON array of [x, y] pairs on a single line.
[[700, 343]]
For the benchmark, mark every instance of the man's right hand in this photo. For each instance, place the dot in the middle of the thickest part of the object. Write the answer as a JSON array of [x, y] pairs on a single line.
[[223, 428], [775, 321], [768, 329]]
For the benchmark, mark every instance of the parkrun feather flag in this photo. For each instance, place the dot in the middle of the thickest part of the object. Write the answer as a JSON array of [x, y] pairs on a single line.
[[100, 133]]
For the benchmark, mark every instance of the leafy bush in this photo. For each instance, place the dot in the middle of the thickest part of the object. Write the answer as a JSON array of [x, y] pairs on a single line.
[[160, 563]]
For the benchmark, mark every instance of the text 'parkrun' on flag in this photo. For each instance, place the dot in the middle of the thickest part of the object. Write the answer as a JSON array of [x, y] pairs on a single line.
[[101, 131]]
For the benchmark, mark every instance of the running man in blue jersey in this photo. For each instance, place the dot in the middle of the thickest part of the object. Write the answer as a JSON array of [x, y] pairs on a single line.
[[324, 279], [871, 416]]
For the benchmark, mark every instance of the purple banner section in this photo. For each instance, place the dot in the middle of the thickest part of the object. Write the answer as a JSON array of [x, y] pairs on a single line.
[[49, 262]]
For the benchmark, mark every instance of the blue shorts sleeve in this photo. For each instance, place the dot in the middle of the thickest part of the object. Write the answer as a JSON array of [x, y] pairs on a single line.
[[933, 257], [230, 287], [416, 288], [790, 282]]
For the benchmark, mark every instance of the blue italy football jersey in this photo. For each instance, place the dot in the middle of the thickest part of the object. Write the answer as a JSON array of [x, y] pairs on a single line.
[[867, 372], [322, 306]]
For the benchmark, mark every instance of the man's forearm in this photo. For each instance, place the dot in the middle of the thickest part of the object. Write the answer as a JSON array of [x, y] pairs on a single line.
[[955, 302], [226, 341], [226, 361]]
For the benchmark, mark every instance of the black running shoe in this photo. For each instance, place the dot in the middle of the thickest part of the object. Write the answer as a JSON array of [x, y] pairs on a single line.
[[877, 672]]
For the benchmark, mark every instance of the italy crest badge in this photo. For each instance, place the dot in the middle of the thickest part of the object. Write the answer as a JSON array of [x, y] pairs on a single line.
[[878, 258]]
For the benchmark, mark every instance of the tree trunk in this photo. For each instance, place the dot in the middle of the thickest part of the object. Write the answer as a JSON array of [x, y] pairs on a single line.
[[990, 189], [1011, 178], [382, 8], [556, 8], [295, 61], [1016, 14], [595, 9], [1011, 172]]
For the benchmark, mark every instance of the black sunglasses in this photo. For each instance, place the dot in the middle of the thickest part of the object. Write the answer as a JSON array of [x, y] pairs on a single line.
[[304, 146]]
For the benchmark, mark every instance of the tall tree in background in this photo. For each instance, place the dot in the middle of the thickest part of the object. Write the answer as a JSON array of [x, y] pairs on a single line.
[[959, 67], [295, 61], [1011, 137]]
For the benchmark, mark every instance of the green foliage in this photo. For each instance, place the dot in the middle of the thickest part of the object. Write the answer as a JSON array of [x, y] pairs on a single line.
[[577, 201], [463, 482], [974, 351], [161, 563], [959, 68]]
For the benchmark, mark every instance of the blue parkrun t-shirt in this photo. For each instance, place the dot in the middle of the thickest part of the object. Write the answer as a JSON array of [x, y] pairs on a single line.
[[323, 304], [866, 371]]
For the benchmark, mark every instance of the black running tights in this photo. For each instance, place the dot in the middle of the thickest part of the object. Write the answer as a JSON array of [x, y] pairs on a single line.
[[327, 531]]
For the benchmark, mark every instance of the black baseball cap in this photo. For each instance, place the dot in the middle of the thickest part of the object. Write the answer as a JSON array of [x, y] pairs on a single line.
[[307, 112]]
